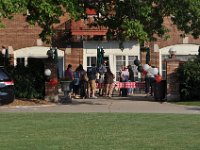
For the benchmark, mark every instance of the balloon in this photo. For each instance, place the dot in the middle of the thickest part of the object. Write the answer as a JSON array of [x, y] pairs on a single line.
[[150, 70], [47, 72], [137, 62], [158, 78], [140, 69], [53, 82], [146, 67]]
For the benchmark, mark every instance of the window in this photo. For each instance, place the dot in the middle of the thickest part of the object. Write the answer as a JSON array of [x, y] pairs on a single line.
[[184, 57], [164, 57], [125, 61], [91, 60], [180, 57], [20, 62], [131, 60], [120, 61]]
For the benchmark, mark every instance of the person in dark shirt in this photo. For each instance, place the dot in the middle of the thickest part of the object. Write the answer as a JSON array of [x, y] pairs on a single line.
[[92, 76], [130, 79], [83, 82], [69, 76]]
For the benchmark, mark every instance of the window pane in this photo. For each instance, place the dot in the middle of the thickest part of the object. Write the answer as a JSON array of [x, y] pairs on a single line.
[[90, 61], [164, 57], [120, 61], [93, 60], [131, 60], [20, 61]]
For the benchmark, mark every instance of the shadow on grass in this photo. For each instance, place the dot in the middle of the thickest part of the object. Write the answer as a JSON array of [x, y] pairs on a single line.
[[194, 108]]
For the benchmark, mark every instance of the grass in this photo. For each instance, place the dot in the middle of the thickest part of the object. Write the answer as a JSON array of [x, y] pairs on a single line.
[[189, 103], [99, 131]]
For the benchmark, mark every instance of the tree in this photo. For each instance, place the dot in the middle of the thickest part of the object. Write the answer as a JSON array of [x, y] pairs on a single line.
[[43, 13], [143, 19], [125, 19]]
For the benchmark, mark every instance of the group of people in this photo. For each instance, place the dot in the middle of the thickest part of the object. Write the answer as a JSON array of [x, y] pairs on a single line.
[[126, 74], [83, 82]]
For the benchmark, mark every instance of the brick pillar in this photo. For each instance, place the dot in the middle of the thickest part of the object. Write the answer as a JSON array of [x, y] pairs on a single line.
[[172, 80], [51, 92]]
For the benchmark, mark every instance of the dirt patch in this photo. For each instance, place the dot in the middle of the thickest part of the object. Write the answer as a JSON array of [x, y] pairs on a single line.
[[29, 102]]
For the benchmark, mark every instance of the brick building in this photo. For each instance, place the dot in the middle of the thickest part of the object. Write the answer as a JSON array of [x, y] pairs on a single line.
[[77, 44]]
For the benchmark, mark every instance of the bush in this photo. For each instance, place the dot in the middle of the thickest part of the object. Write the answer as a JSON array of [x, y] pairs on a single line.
[[189, 77], [29, 83]]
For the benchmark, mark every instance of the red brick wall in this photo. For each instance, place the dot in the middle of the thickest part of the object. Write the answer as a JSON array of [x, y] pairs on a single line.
[[174, 36], [18, 33], [75, 58], [172, 79]]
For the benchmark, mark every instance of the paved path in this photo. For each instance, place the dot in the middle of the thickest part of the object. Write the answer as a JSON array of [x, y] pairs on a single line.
[[136, 104]]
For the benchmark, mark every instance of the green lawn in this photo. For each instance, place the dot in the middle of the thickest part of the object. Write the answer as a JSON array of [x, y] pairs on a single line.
[[99, 131], [189, 103]]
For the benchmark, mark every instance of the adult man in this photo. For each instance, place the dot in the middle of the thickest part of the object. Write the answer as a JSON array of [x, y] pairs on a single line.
[[149, 83], [92, 76]]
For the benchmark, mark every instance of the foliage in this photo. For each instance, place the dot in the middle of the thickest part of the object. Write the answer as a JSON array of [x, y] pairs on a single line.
[[40, 12], [95, 131], [143, 20], [29, 82], [189, 77], [125, 19], [187, 103]]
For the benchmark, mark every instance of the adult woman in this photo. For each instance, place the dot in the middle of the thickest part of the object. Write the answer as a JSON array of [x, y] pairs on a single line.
[[76, 82], [83, 82], [108, 79], [69, 73], [69, 76]]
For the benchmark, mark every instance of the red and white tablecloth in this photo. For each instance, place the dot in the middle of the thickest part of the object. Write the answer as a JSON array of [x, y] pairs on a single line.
[[139, 85]]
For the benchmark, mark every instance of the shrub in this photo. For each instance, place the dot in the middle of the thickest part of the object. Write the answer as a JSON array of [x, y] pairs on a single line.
[[189, 77], [29, 83]]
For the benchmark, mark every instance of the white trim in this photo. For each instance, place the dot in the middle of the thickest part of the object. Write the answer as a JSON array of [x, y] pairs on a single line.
[[111, 49], [181, 49], [34, 52]]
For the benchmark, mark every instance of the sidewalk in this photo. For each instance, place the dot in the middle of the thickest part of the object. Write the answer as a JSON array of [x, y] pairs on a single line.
[[136, 103]]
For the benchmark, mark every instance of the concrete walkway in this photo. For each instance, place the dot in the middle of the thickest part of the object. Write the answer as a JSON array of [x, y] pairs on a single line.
[[132, 104]]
